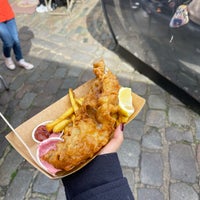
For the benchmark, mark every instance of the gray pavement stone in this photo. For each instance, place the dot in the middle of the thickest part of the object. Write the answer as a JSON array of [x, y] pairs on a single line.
[[174, 101], [197, 124], [155, 89], [175, 134], [182, 163], [75, 72], [61, 192], [18, 82], [17, 118], [128, 173], [134, 130], [61, 73], [198, 155], [27, 99], [182, 191], [89, 48], [87, 75], [139, 88], [152, 139], [5, 97], [82, 57], [45, 185], [41, 100], [129, 153], [23, 90], [19, 186], [52, 86], [2, 193], [123, 79], [13, 160], [157, 102], [152, 169], [149, 194], [179, 116], [156, 118], [69, 82]]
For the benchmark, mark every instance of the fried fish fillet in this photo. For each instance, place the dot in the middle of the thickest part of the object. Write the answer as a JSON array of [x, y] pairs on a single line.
[[94, 123]]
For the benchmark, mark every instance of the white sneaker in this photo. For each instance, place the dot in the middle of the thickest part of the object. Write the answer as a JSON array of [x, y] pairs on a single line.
[[25, 65], [9, 63], [41, 9]]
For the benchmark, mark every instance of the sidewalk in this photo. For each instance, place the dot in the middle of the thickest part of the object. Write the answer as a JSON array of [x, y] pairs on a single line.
[[161, 153]]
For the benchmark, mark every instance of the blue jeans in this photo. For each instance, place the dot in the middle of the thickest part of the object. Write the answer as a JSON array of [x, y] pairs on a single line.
[[10, 39]]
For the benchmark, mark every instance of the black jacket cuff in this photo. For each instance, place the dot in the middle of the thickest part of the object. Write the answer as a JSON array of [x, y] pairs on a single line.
[[102, 170]]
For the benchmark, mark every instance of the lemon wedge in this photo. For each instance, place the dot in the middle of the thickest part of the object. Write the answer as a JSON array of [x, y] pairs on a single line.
[[125, 101]]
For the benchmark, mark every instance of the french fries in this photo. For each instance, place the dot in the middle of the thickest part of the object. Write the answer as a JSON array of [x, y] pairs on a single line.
[[68, 116], [65, 115], [72, 100], [61, 125]]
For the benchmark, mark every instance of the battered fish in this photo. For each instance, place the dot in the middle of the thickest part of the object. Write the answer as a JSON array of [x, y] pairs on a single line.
[[94, 123]]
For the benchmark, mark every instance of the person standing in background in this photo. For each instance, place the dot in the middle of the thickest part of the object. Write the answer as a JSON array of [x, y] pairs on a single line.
[[10, 39]]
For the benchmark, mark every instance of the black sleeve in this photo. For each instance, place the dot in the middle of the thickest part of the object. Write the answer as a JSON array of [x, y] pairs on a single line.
[[101, 179]]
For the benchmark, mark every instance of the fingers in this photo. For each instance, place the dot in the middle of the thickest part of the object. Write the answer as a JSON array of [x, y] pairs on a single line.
[[115, 142]]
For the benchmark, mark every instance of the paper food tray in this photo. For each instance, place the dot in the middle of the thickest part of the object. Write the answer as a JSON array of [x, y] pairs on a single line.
[[50, 113]]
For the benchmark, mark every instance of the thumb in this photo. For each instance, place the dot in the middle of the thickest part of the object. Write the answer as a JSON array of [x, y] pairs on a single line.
[[116, 141]]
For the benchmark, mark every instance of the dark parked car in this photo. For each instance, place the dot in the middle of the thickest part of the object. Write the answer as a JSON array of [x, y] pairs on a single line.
[[142, 29]]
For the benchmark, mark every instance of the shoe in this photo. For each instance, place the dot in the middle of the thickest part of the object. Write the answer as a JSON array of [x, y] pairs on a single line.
[[41, 9], [25, 65], [9, 63]]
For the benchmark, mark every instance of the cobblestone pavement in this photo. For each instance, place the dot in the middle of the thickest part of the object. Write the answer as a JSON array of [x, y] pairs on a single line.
[[161, 152]]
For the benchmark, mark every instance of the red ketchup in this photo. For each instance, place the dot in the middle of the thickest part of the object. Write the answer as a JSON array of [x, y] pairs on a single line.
[[41, 133]]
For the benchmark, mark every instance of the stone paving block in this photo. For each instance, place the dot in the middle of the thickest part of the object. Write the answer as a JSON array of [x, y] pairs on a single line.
[[12, 160], [52, 86], [134, 130], [156, 118], [182, 191], [174, 101], [75, 72], [4, 144], [45, 185], [197, 124], [179, 116], [128, 173], [45, 43], [27, 100], [129, 153], [152, 140], [157, 102], [18, 82], [82, 57], [61, 192], [112, 61], [198, 155], [182, 163], [149, 194], [176, 134], [139, 88], [17, 118], [152, 169], [19, 185], [155, 89], [61, 73], [124, 80], [89, 48], [69, 82], [87, 75], [41, 100]]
